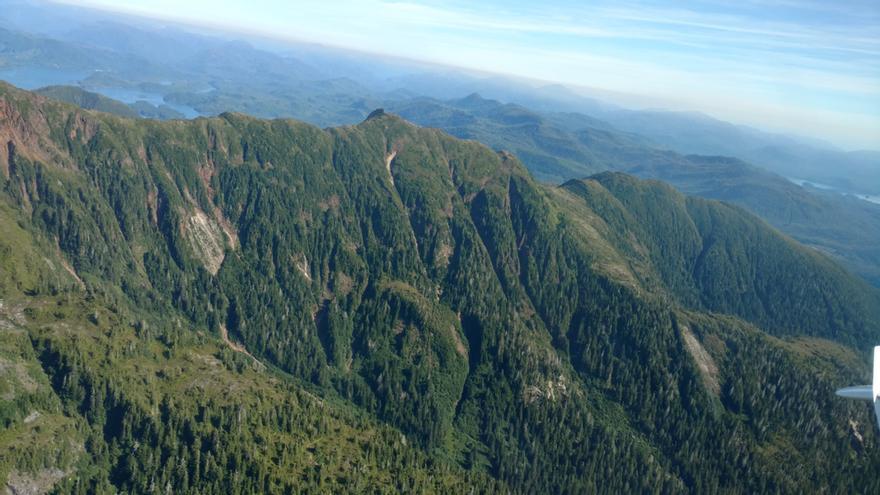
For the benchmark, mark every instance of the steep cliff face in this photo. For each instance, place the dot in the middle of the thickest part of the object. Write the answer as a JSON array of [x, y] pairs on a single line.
[[531, 337]]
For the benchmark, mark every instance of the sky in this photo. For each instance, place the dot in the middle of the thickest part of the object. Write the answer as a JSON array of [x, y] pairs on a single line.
[[801, 66]]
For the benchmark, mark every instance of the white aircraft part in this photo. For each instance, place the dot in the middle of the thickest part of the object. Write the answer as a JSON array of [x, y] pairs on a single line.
[[876, 383], [862, 392], [877, 411], [867, 392]]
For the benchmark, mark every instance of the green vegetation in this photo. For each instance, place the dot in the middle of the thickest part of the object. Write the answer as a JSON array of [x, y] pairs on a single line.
[[87, 100], [557, 147], [240, 305]]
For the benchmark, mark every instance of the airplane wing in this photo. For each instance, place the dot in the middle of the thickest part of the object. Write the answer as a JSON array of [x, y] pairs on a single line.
[[867, 392], [877, 411], [862, 392]]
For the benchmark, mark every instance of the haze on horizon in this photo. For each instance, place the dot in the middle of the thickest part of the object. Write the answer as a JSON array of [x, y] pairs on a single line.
[[804, 67]]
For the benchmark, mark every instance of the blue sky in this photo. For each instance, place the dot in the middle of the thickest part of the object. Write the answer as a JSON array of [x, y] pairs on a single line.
[[810, 67]]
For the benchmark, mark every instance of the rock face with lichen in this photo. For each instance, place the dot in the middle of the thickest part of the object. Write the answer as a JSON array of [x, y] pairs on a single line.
[[169, 287], [38, 483], [206, 240]]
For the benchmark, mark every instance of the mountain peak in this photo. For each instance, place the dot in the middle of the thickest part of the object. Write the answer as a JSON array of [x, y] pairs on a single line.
[[375, 114], [380, 114], [473, 97]]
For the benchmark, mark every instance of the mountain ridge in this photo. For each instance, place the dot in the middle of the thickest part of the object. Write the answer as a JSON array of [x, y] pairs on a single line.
[[558, 147], [514, 336]]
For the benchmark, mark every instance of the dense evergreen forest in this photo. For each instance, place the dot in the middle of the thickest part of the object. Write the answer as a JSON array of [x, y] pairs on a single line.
[[234, 305], [558, 147]]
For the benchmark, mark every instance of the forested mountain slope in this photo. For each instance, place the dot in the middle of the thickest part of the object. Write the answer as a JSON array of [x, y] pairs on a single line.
[[558, 147], [236, 305]]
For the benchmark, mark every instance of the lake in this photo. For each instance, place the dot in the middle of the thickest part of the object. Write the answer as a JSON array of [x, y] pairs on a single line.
[[38, 77], [825, 187], [129, 95]]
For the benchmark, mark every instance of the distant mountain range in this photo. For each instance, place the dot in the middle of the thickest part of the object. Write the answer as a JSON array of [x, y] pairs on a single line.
[[165, 72], [215, 72], [856, 171]]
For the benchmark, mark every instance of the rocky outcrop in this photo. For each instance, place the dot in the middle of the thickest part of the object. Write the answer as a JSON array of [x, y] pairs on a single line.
[[38, 483], [705, 363], [205, 237]]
